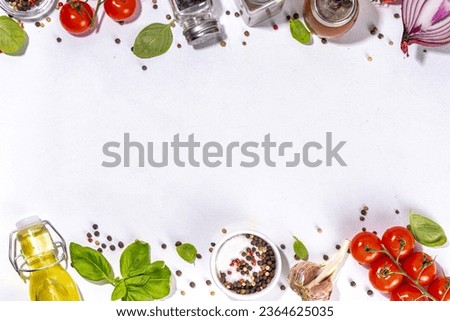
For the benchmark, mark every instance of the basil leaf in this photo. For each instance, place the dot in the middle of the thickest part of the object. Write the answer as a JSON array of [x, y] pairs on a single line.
[[187, 252], [120, 290], [152, 285], [135, 256], [300, 249], [91, 264], [154, 40], [12, 36], [426, 231], [147, 269], [299, 31]]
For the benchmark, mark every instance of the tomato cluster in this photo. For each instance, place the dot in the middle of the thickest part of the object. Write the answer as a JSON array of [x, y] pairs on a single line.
[[78, 17], [395, 268]]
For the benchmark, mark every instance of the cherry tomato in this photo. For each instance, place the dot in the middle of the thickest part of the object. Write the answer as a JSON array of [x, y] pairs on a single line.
[[407, 292], [440, 288], [76, 17], [383, 274], [399, 241], [363, 246], [120, 10], [420, 266]]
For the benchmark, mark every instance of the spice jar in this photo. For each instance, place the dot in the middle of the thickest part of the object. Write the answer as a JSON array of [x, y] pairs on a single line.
[[257, 11], [330, 18], [200, 28], [27, 9]]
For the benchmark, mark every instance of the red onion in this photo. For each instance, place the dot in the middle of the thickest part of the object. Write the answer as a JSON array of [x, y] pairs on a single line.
[[425, 22]]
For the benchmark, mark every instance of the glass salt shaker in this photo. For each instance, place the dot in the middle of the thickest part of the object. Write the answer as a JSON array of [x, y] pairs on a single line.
[[258, 11], [200, 27], [330, 18]]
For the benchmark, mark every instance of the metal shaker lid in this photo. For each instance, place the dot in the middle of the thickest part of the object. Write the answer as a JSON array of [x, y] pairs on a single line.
[[334, 13]]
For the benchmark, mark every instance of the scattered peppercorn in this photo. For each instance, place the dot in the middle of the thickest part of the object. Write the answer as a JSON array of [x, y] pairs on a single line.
[[48, 19], [362, 218], [369, 292], [244, 43], [275, 27], [213, 244], [319, 230], [397, 212], [95, 226], [103, 246], [109, 238], [223, 43], [117, 41], [212, 293], [390, 42], [282, 287], [352, 284], [198, 256], [58, 39], [227, 12], [338, 247], [366, 208], [224, 231], [288, 17], [164, 246], [283, 247], [37, 24], [144, 67], [208, 282], [375, 232], [90, 240], [325, 257], [97, 242], [97, 233], [373, 31], [364, 229], [132, 48], [168, 17], [192, 284], [155, 6], [363, 212], [396, 15], [324, 41], [380, 36], [112, 247], [236, 14], [210, 250], [121, 22], [296, 257], [296, 15], [178, 273], [100, 249], [89, 235], [182, 293], [178, 243], [120, 245], [246, 33]]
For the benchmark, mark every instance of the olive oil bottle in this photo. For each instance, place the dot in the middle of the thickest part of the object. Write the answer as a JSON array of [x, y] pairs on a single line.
[[37, 259]]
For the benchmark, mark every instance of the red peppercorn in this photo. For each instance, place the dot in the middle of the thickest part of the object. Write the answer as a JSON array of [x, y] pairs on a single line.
[[275, 27]]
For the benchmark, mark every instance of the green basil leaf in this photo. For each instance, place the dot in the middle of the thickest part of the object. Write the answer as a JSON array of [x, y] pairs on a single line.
[[426, 231], [154, 40], [135, 256], [300, 249], [147, 269], [153, 285], [120, 290], [187, 252], [91, 264], [12, 36], [299, 31]]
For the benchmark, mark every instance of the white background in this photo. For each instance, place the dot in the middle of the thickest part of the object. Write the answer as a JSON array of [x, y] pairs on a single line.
[[61, 102]]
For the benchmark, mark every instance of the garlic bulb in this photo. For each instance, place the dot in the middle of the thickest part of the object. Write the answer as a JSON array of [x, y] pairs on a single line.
[[314, 282]]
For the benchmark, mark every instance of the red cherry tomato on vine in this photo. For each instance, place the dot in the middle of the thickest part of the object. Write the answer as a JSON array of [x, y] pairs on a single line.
[[383, 275], [120, 10], [364, 246], [399, 241], [420, 266], [76, 17], [407, 292], [440, 288]]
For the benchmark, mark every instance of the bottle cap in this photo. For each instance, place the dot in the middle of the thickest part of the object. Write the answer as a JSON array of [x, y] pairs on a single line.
[[28, 221], [204, 33]]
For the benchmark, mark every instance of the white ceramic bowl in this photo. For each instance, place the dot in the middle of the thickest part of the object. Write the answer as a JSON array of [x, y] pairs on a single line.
[[252, 296]]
